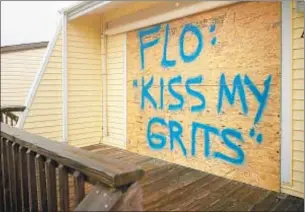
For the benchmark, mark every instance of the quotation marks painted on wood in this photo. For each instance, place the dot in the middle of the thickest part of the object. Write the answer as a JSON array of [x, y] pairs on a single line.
[[228, 91], [212, 30], [259, 137]]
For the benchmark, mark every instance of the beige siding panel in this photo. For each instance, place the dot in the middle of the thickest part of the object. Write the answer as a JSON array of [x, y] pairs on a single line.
[[293, 192], [115, 91], [298, 176], [297, 140], [298, 104], [298, 53], [18, 70], [44, 117], [84, 81], [296, 33], [298, 74], [298, 155], [296, 187]]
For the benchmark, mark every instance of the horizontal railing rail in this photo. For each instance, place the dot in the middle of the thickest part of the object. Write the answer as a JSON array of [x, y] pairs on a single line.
[[8, 114], [36, 174]]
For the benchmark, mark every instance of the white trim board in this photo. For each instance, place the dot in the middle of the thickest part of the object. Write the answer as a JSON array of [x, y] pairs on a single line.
[[104, 82], [85, 9], [32, 92], [64, 81], [166, 16], [91, 7], [286, 100], [125, 87]]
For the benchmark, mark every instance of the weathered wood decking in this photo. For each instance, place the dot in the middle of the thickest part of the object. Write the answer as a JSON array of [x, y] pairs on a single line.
[[169, 187]]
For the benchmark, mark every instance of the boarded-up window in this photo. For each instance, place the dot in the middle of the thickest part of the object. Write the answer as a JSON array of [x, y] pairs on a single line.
[[204, 91]]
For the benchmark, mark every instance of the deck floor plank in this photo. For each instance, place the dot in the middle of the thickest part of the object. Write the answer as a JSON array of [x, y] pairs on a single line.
[[171, 187]]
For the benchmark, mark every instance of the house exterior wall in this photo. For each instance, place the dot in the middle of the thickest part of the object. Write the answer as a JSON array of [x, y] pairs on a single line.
[[174, 107], [297, 184], [18, 70], [241, 32], [45, 113], [84, 81], [115, 95]]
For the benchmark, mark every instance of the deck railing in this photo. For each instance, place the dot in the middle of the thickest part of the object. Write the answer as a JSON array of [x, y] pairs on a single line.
[[36, 172], [8, 115]]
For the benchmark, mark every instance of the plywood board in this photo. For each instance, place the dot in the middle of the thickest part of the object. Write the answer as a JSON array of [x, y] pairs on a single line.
[[190, 114]]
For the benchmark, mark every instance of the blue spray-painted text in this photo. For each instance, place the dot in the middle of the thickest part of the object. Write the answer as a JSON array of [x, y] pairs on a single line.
[[180, 93]]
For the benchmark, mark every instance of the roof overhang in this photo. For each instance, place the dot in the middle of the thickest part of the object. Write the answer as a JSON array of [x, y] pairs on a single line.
[[169, 10], [87, 7], [24, 47]]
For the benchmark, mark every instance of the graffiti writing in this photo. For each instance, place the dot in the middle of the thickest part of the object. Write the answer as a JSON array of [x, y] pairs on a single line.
[[239, 88], [186, 57]]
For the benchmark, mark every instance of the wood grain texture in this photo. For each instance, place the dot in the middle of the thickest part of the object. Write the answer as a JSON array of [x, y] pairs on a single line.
[[2, 206], [32, 183], [23, 178], [100, 198], [11, 188], [50, 167], [16, 177], [171, 187], [132, 200], [248, 43], [63, 188], [41, 182], [79, 184], [4, 176], [108, 171]]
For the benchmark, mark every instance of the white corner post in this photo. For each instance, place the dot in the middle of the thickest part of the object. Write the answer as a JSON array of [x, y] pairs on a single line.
[[64, 81], [286, 100], [125, 88], [104, 80]]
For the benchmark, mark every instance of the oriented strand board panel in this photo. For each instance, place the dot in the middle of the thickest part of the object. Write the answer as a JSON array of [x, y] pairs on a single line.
[[204, 92], [45, 114], [297, 186], [84, 81], [18, 70]]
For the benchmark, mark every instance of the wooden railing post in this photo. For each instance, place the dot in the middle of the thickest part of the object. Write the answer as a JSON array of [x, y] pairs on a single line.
[[51, 188], [63, 188], [79, 186], [10, 174], [4, 177], [23, 179], [40, 169], [25, 156], [7, 115], [32, 180], [132, 200], [15, 176]]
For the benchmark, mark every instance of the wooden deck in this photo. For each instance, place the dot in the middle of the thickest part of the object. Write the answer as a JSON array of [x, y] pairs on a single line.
[[168, 187]]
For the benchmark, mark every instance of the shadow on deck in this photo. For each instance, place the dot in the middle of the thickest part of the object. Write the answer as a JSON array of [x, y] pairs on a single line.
[[168, 186]]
